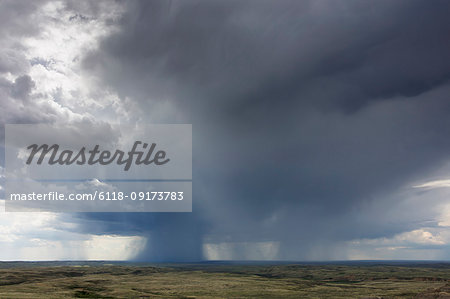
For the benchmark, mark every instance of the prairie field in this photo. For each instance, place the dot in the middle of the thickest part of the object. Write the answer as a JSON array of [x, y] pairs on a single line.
[[223, 280]]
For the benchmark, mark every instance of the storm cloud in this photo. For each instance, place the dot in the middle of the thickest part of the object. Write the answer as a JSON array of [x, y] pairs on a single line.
[[303, 111], [312, 120]]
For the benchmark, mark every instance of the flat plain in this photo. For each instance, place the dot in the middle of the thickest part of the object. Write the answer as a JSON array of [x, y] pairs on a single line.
[[224, 280]]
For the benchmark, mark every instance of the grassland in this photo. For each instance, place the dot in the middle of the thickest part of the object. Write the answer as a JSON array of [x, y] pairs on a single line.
[[222, 280]]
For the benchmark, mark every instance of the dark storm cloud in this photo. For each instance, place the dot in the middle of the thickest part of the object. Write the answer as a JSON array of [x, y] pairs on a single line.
[[303, 111], [240, 52]]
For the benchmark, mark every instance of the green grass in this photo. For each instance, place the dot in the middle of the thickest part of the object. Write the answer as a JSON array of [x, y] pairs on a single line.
[[225, 281]]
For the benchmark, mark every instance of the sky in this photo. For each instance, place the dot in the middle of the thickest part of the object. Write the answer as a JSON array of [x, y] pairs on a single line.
[[320, 128]]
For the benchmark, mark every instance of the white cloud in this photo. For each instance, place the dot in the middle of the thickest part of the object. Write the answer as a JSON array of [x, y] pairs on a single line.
[[113, 247], [424, 243], [41, 80], [434, 184], [56, 89], [50, 236], [414, 237]]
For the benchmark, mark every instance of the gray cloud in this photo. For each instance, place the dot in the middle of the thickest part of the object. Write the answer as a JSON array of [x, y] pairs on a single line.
[[35, 84], [310, 118], [303, 111], [236, 53]]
